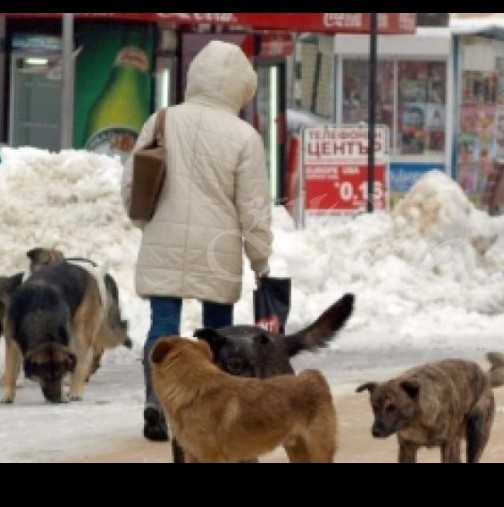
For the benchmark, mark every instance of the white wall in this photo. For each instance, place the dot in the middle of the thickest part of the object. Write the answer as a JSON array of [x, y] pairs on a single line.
[[426, 42]]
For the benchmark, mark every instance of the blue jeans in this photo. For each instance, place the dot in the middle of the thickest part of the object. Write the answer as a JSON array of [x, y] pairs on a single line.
[[166, 311]]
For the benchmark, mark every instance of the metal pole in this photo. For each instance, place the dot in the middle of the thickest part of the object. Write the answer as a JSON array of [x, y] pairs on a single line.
[[3, 105], [67, 84], [301, 222], [372, 108]]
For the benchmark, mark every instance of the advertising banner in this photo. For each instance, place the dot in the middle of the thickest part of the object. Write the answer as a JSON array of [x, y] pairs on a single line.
[[336, 172], [113, 87], [330, 22]]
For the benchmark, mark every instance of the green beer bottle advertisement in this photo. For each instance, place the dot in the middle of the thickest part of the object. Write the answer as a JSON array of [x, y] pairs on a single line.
[[118, 102]]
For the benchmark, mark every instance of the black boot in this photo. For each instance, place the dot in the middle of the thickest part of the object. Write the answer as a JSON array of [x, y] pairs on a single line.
[[155, 427]]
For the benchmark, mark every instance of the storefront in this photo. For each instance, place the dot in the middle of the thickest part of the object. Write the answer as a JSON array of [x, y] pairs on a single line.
[[414, 98], [479, 64], [126, 65], [125, 69]]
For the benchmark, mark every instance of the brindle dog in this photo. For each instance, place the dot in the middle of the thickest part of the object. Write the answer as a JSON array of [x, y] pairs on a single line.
[[437, 405]]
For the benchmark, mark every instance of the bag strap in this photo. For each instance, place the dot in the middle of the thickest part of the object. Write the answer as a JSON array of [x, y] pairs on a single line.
[[159, 127]]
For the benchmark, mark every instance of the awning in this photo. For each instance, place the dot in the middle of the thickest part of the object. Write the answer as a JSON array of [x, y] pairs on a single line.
[[487, 24], [325, 22]]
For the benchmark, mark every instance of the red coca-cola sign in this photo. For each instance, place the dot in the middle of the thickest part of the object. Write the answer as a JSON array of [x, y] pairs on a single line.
[[329, 22]]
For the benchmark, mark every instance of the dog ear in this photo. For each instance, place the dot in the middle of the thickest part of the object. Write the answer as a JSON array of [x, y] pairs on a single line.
[[7, 285], [160, 350], [212, 337], [35, 254], [411, 387], [370, 386]]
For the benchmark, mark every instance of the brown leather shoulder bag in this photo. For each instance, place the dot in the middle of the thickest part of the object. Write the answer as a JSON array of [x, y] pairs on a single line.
[[149, 173]]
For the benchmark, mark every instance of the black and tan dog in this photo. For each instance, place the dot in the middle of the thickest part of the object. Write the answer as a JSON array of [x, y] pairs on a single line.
[[38, 257], [250, 351], [53, 321], [222, 418], [438, 405], [112, 330]]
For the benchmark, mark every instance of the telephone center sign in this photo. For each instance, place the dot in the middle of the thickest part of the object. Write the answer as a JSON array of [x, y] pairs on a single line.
[[335, 164]]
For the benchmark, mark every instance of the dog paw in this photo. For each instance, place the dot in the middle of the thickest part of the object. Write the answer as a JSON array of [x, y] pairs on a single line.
[[7, 399], [75, 397]]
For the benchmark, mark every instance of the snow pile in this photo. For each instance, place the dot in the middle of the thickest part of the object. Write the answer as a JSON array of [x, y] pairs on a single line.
[[430, 273]]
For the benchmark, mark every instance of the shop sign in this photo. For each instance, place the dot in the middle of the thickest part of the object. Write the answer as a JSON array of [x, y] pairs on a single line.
[[329, 22], [36, 43], [335, 165]]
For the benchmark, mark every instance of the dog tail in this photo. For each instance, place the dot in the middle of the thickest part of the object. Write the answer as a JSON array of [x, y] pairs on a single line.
[[496, 372], [323, 329]]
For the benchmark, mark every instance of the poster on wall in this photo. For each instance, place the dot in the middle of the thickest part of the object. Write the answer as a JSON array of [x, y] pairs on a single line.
[[499, 132], [355, 91], [336, 171], [476, 148], [479, 87], [113, 86], [413, 133]]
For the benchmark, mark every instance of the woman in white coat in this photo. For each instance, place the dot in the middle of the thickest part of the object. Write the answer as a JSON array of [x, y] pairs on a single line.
[[214, 205]]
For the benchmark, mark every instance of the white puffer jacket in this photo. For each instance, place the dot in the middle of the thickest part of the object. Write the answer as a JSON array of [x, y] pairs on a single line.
[[215, 199]]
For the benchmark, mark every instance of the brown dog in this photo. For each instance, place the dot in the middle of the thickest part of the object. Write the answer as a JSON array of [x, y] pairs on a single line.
[[437, 405], [222, 418], [251, 351], [43, 257]]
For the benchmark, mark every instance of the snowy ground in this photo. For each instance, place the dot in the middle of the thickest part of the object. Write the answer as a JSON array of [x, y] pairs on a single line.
[[106, 426], [428, 280]]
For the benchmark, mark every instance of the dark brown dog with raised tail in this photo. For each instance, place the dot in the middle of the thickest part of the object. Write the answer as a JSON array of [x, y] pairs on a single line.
[[250, 351], [438, 405]]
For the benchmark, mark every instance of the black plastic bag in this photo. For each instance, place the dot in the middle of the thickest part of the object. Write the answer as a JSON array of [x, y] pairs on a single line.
[[272, 304]]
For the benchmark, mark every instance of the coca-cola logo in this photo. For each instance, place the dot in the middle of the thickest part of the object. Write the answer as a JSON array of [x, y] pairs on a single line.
[[208, 17], [351, 20], [204, 17]]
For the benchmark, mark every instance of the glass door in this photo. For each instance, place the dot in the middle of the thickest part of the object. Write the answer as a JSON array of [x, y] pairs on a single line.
[[270, 121], [35, 108], [166, 75]]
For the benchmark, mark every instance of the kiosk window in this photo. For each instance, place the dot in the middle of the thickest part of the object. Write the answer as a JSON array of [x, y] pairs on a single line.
[[410, 99]]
